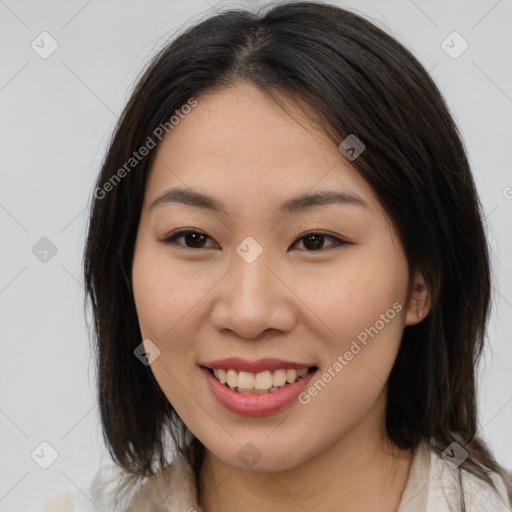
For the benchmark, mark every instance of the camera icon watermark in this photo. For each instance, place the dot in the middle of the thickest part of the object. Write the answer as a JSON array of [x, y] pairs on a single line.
[[249, 250], [249, 455], [351, 147], [454, 455], [454, 45], [507, 193], [44, 455], [44, 45], [44, 250], [146, 352]]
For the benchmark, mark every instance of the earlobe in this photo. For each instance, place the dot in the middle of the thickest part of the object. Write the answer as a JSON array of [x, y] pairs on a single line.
[[419, 302]]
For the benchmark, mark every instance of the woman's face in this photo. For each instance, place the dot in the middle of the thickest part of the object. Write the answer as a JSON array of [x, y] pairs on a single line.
[[252, 285]]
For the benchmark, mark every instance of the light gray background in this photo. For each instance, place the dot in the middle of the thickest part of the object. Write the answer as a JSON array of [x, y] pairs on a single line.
[[56, 117]]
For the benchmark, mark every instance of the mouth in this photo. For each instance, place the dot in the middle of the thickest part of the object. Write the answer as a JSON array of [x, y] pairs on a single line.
[[255, 388], [263, 382]]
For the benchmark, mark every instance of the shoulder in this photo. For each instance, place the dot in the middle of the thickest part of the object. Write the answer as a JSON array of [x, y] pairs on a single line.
[[172, 489], [61, 503], [449, 484], [100, 495], [436, 484], [70, 502]]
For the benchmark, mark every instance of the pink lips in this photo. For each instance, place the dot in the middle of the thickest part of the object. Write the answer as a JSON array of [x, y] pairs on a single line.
[[255, 404]]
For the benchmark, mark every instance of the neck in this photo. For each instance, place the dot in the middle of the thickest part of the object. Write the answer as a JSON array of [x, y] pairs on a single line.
[[361, 471]]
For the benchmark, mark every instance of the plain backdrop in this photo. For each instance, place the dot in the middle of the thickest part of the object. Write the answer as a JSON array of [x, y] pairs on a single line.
[[57, 114]]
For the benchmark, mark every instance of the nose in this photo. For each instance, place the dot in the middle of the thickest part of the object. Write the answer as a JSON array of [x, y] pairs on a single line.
[[252, 299]]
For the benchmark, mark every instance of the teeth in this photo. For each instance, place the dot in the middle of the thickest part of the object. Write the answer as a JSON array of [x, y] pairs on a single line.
[[220, 374], [232, 378], [279, 378], [291, 375], [246, 380], [263, 380], [257, 383], [252, 391]]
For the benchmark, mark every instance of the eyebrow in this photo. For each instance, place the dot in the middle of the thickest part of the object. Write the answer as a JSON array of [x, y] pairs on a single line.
[[296, 204]]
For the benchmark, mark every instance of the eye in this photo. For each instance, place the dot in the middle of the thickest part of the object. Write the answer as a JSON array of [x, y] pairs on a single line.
[[195, 238], [312, 241]]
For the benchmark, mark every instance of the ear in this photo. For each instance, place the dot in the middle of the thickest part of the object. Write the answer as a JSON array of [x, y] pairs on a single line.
[[419, 303]]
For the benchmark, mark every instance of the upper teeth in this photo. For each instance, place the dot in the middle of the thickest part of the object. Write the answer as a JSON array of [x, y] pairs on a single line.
[[262, 380]]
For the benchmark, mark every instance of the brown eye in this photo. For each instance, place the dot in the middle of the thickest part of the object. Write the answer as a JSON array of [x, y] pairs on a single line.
[[192, 239], [314, 241]]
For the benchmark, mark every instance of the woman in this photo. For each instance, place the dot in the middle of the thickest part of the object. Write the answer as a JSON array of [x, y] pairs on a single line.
[[289, 278]]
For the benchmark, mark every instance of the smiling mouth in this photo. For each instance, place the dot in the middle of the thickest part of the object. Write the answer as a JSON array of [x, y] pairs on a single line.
[[261, 382]]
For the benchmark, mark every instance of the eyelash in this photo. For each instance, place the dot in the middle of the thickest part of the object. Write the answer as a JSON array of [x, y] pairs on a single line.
[[171, 240]]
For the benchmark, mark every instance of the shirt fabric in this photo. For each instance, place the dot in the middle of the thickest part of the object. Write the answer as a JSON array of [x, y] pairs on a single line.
[[433, 485]]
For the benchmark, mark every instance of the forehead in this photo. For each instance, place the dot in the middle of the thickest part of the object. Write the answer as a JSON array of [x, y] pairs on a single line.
[[238, 139]]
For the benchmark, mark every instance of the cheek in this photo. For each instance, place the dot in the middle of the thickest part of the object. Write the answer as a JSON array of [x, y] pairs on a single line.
[[166, 300], [362, 294], [364, 313], [163, 294]]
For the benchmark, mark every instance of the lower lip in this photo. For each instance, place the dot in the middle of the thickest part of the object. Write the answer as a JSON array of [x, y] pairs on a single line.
[[256, 404]]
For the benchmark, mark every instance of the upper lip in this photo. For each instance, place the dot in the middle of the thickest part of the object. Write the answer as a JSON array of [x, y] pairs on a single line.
[[257, 366]]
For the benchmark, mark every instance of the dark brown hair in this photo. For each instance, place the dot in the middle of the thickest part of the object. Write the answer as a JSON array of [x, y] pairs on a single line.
[[352, 78]]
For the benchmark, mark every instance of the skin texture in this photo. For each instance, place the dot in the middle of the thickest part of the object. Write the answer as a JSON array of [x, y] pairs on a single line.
[[292, 302]]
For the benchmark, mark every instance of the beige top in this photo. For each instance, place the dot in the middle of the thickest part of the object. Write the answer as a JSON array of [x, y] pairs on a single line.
[[432, 486]]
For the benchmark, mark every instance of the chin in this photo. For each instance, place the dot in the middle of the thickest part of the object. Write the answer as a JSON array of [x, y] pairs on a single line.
[[261, 456]]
